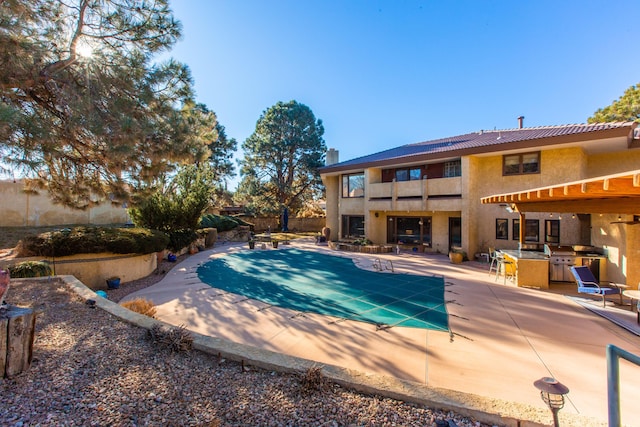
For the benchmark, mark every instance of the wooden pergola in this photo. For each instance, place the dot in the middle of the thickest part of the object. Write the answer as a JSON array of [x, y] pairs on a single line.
[[610, 194]]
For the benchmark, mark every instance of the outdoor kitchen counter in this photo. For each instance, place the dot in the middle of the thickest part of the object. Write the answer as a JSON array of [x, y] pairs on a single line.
[[532, 268]]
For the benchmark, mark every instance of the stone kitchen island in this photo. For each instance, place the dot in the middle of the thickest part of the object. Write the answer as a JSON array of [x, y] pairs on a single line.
[[532, 268]]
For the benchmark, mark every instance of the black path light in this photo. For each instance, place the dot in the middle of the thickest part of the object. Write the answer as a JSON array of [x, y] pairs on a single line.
[[552, 393]]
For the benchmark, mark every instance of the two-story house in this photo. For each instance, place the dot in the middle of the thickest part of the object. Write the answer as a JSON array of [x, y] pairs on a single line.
[[435, 195]]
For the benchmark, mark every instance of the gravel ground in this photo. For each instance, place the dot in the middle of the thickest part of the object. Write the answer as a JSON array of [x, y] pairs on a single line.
[[90, 369]]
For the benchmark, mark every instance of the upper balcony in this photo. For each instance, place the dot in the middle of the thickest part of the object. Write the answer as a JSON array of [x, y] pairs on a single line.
[[422, 189], [426, 194]]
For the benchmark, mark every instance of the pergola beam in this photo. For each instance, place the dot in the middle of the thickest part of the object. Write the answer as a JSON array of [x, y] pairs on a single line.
[[619, 193]]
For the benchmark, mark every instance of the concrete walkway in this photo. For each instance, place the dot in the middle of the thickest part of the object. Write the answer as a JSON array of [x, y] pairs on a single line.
[[503, 338]]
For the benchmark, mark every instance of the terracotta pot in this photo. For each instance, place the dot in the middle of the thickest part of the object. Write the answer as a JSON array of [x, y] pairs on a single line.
[[455, 257]]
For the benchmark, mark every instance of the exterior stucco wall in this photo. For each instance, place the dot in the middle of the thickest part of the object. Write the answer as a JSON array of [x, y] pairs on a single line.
[[470, 205], [562, 165], [556, 166], [622, 247], [610, 163], [19, 209], [376, 228], [352, 206], [332, 186], [632, 253]]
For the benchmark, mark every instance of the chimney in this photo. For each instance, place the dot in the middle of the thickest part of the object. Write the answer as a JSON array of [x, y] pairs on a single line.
[[520, 121], [332, 157]]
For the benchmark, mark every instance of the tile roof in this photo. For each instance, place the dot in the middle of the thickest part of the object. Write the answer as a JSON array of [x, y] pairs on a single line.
[[486, 141]]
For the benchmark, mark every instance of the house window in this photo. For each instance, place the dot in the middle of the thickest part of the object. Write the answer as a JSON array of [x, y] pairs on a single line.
[[402, 175], [353, 185], [521, 164], [352, 226], [453, 168], [502, 229], [415, 174], [532, 230], [409, 231], [412, 174], [552, 231]]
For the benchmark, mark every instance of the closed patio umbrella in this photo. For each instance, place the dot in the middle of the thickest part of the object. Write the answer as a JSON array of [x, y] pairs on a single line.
[[285, 220]]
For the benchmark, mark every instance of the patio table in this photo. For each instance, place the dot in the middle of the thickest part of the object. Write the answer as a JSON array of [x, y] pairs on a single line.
[[634, 295], [262, 237]]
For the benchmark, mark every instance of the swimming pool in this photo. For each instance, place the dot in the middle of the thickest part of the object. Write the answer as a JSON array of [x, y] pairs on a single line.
[[309, 281]]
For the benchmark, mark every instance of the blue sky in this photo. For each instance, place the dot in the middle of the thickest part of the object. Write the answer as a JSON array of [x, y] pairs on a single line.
[[386, 73]]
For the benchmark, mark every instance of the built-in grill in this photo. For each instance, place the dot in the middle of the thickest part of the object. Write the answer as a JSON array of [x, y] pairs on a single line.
[[561, 258]]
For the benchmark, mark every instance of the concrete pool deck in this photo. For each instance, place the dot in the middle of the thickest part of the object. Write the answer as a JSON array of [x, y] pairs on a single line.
[[503, 338]]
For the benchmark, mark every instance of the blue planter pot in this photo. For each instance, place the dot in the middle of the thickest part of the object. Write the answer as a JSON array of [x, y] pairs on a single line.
[[171, 258], [113, 283]]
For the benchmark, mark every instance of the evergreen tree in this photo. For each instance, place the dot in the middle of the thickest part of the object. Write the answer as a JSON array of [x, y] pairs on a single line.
[[84, 112], [624, 109], [281, 160]]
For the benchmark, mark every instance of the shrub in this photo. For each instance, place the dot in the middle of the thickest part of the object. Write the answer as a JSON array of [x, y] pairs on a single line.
[[141, 305], [181, 239], [30, 269], [180, 204], [86, 239], [156, 212], [176, 339], [220, 222], [313, 380], [363, 241]]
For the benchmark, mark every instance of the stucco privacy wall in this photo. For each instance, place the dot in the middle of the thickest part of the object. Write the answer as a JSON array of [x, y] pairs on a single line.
[[19, 209]]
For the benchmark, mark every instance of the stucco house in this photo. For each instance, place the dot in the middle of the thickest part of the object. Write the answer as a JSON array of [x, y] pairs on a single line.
[[471, 191]]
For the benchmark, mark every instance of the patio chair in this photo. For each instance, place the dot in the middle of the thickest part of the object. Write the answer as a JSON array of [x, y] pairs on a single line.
[[587, 284]]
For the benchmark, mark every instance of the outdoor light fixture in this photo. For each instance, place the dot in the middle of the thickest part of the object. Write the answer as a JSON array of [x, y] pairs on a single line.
[[573, 216], [552, 393]]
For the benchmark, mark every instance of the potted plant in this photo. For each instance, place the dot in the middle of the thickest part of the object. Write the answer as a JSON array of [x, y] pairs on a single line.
[[113, 282], [274, 243]]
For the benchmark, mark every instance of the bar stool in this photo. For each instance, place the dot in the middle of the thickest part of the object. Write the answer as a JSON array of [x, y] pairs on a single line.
[[504, 266], [494, 261]]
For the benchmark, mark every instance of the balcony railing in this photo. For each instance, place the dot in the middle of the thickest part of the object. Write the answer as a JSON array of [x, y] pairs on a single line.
[[413, 195], [422, 189]]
